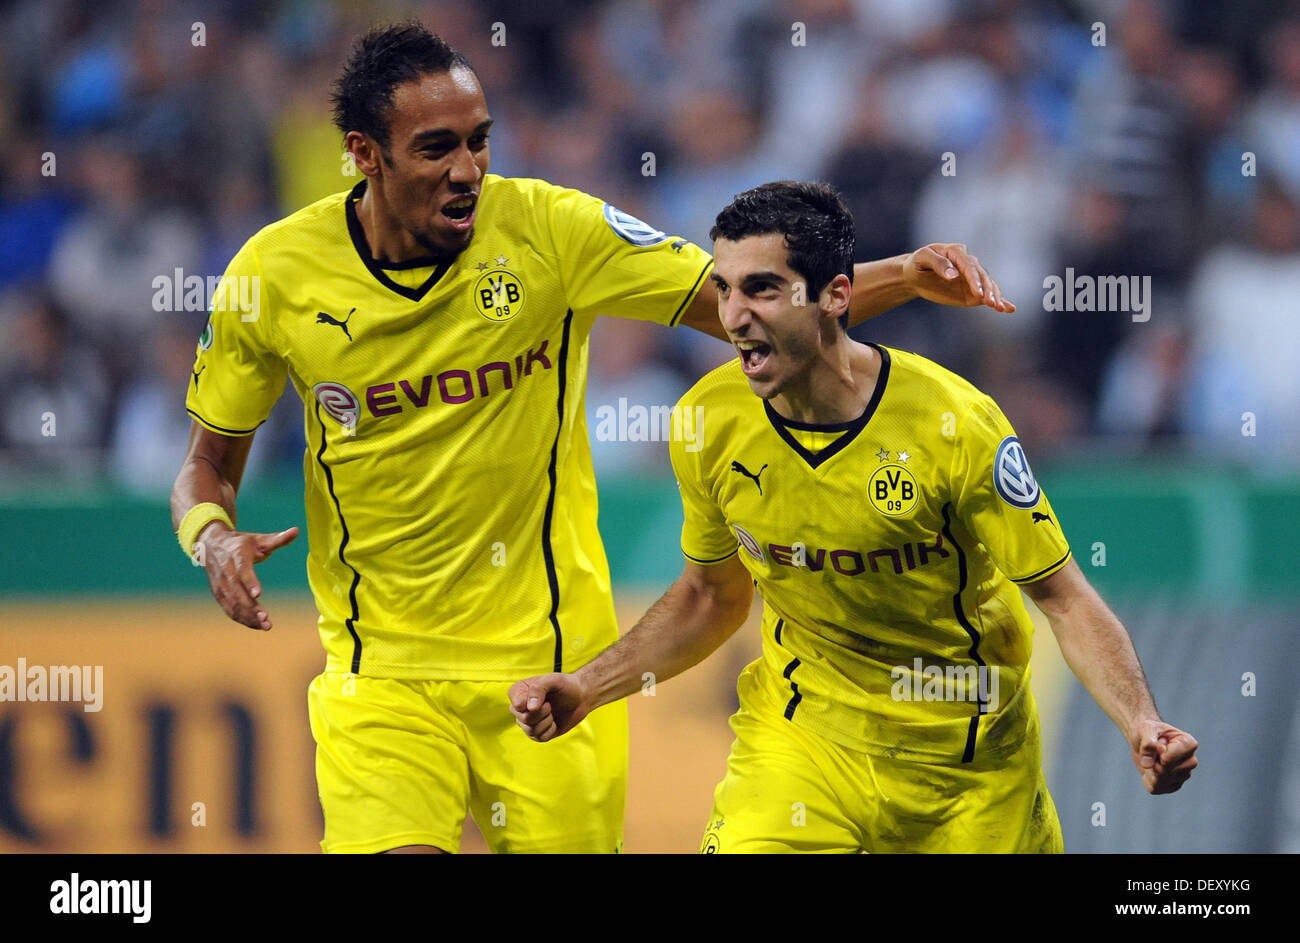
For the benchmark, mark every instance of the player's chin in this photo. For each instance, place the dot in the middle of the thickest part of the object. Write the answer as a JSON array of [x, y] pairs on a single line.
[[450, 238], [766, 384], [764, 380]]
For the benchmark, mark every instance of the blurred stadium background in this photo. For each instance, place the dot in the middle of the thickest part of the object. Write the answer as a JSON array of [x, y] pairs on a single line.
[[1171, 151]]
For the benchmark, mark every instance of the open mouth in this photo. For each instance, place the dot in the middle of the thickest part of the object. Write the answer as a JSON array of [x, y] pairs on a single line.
[[460, 211], [753, 356]]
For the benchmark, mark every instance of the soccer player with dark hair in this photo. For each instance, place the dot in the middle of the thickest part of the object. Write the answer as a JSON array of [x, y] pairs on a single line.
[[434, 321], [886, 512]]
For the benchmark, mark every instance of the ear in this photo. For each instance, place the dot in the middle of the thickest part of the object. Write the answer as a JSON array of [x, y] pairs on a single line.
[[365, 152], [833, 302]]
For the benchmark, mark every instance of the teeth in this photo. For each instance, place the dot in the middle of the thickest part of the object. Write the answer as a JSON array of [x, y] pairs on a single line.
[[461, 203], [748, 345]]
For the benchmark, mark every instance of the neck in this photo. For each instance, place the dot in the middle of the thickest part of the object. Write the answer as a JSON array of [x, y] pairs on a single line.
[[387, 239], [836, 387]]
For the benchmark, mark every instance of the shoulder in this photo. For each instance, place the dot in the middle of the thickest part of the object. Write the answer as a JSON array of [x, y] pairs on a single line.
[[525, 193], [926, 383], [533, 211], [717, 409], [948, 410], [304, 234], [721, 387], [565, 207], [325, 213]]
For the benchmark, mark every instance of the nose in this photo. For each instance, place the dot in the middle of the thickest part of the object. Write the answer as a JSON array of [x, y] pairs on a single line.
[[464, 167], [734, 312]]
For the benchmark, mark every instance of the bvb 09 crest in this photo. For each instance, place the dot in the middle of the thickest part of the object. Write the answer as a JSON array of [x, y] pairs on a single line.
[[499, 295], [893, 490]]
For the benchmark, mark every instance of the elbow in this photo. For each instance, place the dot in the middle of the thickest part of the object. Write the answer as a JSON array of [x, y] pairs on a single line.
[[734, 608], [725, 610], [720, 594]]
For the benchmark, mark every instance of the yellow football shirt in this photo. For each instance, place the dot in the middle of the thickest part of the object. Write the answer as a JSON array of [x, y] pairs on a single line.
[[450, 498], [887, 558]]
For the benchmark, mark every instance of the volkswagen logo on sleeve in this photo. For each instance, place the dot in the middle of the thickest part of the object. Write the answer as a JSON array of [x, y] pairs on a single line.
[[1012, 477], [630, 229]]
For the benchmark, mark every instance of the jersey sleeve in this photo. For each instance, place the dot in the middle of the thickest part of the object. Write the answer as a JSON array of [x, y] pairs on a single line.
[[706, 538], [612, 263], [999, 501], [237, 375]]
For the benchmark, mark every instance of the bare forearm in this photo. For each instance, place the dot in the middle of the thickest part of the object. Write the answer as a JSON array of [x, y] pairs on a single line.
[[213, 467], [1099, 651], [683, 628], [199, 482], [877, 287]]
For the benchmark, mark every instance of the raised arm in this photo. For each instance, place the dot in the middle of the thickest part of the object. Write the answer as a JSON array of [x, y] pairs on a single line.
[[943, 272], [213, 468], [1100, 653], [700, 611]]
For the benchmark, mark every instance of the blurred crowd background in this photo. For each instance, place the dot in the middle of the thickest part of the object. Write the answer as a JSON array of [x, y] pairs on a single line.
[[148, 139], [133, 152]]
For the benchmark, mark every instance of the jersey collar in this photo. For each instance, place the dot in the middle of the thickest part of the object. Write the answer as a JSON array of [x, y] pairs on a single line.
[[851, 428], [380, 269]]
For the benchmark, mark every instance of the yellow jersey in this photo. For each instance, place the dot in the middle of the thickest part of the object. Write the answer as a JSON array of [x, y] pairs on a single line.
[[886, 551], [450, 498]]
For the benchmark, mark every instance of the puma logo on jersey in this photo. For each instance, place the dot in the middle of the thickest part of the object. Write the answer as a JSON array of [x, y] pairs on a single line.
[[196, 375], [737, 467], [1039, 516], [323, 318]]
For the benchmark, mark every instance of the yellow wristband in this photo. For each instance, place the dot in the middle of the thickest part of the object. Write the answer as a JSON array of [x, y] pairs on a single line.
[[197, 518]]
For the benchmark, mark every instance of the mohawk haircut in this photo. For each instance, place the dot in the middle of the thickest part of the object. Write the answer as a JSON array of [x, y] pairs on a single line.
[[382, 59]]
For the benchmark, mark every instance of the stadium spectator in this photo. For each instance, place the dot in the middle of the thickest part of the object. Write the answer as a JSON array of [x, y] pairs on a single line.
[[170, 152], [1245, 301], [150, 431], [1005, 199], [1275, 117], [1132, 137], [106, 261], [33, 212], [54, 393]]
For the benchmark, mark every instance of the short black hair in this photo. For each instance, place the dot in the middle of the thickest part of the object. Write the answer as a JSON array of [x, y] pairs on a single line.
[[381, 60], [817, 226]]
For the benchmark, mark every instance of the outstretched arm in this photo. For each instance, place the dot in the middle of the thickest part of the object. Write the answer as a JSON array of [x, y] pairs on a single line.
[[944, 272], [1100, 653], [700, 611]]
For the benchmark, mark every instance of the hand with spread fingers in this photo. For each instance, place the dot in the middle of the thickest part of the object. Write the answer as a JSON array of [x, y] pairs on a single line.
[[947, 273], [228, 557]]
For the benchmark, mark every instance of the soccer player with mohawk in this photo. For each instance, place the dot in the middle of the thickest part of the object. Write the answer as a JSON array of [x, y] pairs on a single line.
[[434, 322]]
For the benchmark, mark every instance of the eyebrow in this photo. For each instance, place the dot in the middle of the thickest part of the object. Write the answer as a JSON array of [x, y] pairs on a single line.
[[747, 282], [437, 133], [750, 278]]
